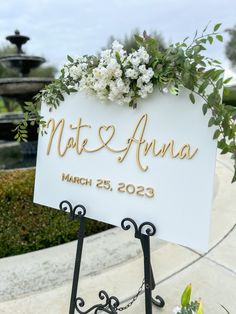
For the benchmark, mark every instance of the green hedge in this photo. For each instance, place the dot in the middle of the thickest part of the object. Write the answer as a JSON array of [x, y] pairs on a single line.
[[25, 226]]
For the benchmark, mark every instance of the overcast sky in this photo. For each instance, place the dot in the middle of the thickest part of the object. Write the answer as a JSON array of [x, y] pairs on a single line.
[[75, 27]]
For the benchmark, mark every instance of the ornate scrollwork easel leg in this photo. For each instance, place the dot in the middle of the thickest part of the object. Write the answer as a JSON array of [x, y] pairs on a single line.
[[110, 304], [143, 233], [78, 212]]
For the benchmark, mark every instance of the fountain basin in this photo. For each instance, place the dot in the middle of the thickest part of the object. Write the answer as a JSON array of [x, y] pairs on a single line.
[[18, 39], [22, 87], [23, 62]]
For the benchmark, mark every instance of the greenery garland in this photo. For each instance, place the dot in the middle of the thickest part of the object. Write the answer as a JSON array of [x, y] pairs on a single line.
[[126, 77]]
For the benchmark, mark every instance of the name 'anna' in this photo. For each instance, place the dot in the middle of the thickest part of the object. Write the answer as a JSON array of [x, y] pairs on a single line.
[[105, 136]]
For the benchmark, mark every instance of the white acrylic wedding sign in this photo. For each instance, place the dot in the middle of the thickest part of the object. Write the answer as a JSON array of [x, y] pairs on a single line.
[[155, 163]]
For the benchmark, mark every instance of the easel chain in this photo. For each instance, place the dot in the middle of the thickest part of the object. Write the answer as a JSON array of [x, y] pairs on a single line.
[[140, 290]]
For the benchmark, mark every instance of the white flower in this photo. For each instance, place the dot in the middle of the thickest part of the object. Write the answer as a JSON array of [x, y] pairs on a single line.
[[126, 88], [139, 82], [165, 90], [113, 65], [118, 73], [106, 55], [127, 99], [120, 84], [145, 90], [142, 52], [96, 73], [81, 59], [142, 68], [149, 88], [176, 310], [131, 73], [147, 76], [135, 61], [75, 72], [117, 46], [111, 78], [100, 85]]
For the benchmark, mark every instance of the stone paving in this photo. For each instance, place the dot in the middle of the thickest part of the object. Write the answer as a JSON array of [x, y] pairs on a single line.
[[116, 266]]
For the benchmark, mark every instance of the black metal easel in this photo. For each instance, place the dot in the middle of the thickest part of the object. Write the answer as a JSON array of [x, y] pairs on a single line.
[[111, 303]]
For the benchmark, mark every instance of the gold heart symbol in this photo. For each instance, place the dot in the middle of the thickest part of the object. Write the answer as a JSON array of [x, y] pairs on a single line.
[[108, 131]]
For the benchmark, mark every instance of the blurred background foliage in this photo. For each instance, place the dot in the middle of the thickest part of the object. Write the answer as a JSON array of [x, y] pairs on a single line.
[[25, 226], [130, 43], [230, 48]]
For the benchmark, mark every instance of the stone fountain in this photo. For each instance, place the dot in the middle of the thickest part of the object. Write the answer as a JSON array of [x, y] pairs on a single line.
[[22, 88]]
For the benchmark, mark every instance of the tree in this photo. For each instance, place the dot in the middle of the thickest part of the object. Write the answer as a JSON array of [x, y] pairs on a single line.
[[230, 48], [129, 41]]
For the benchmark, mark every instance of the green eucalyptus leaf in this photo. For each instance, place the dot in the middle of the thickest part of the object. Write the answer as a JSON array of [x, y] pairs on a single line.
[[226, 81], [204, 108], [219, 83], [192, 98], [187, 64], [216, 134], [203, 41], [210, 39], [70, 59], [216, 62], [203, 86], [211, 121], [224, 151], [219, 37], [60, 96], [73, 90], [221, 144], [197, 49], [217, 26], [216, 74], [202, 63]]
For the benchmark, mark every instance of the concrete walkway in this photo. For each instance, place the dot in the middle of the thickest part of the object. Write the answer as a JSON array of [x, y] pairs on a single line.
[[213, 275]]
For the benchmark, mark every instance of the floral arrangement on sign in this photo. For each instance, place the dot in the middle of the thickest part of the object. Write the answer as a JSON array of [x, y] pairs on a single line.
[[124, 78]]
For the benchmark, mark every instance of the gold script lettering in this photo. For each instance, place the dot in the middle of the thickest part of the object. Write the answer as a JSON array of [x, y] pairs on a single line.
[[106, 134]]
